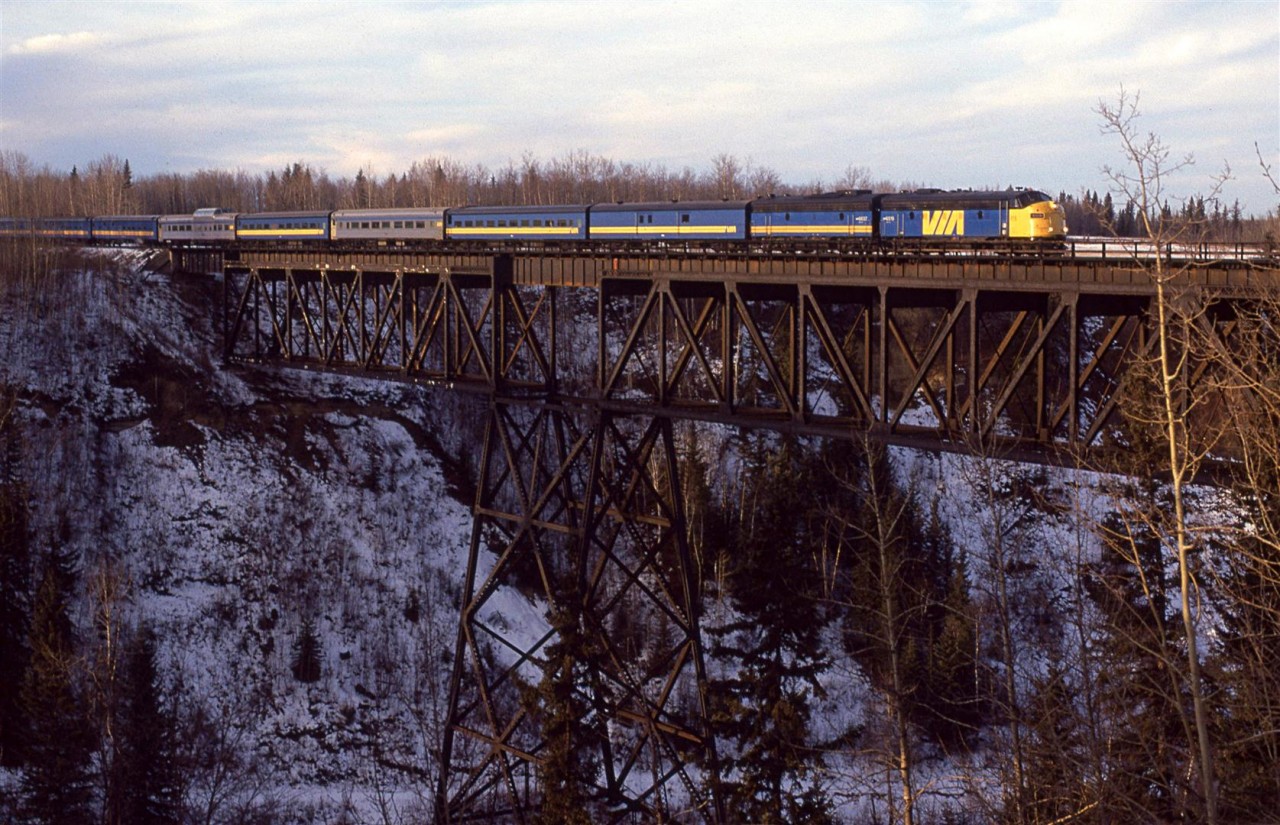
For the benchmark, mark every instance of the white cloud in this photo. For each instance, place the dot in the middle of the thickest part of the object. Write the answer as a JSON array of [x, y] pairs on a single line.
[[58, 43]]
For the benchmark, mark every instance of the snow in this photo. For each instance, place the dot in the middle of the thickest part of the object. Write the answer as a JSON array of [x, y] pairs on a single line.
[[311, 499]]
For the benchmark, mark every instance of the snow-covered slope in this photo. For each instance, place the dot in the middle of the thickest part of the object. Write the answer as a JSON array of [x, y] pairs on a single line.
[[238, 505]]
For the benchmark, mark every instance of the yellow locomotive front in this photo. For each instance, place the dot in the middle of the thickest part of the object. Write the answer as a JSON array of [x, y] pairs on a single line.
[[1036, 216]]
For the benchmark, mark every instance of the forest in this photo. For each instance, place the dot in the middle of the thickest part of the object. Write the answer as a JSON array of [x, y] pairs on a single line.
[[891, 637]]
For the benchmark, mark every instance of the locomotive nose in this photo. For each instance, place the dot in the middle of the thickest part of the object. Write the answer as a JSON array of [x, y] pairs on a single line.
[[1048, 220]]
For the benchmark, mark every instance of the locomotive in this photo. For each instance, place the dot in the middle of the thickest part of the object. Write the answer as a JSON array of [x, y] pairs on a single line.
[[844, 220]]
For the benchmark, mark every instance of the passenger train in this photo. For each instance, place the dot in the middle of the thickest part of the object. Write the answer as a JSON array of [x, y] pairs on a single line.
[[845, 220]]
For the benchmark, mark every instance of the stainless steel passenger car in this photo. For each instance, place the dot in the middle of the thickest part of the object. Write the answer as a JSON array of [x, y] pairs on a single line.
[[421, 224], [204, 226]]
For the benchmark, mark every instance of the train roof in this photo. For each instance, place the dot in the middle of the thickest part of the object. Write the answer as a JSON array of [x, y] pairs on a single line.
[[318, 213], [559, 208], [985, 198], [858, 199], [199, 216], [393, 213], [668, 206]]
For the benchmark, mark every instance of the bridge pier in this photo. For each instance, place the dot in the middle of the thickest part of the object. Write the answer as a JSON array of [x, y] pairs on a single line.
[[597, 698]]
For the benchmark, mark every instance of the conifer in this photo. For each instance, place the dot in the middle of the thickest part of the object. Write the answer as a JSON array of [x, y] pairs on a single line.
[[306, 653], [15, 607], [56, 786], [149, 780], [764, 709]]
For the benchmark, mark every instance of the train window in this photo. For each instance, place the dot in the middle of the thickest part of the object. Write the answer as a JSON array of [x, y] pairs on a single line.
[[787, 217], [419, 224], [524, 222], [911, 215], [561, 222], [841, 216], [488, 223], [684, 217], [979, 214], [502, 222]]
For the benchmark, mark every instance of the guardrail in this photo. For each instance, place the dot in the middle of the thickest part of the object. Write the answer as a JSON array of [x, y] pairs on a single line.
[[1139, 249]]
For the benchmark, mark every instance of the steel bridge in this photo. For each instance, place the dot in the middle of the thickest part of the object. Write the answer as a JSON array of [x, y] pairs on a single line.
[[587, 359]]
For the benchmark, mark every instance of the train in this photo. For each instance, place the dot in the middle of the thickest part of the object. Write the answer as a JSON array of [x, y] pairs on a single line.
[[846, 219]]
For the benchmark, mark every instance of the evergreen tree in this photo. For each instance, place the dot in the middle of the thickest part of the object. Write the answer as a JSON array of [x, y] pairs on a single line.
[[910, 621], [56, 784], [149, 781], [952, 706], [306, 653], [764, 709], [15, 606], [1056, 752], [1139, 690], [567, 758]]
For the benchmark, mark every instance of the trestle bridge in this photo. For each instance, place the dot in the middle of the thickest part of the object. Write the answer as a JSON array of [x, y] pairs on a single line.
[[587, 359]]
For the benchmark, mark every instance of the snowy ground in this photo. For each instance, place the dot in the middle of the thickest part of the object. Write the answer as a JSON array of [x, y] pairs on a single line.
[[238, 505]]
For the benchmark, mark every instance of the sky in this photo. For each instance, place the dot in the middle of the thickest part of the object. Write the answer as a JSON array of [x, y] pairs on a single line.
[[954, 95]]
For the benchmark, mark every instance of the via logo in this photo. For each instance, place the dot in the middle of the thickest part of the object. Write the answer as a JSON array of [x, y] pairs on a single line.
[[943, 222]]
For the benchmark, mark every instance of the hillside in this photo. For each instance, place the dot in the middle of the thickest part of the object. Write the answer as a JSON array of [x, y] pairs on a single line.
[[235, 506]]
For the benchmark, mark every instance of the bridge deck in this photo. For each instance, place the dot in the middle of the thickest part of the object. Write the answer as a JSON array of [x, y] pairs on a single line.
[[1085, 271]]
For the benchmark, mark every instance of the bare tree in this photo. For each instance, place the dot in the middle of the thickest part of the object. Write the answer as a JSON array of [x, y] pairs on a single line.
[[1142, 181]]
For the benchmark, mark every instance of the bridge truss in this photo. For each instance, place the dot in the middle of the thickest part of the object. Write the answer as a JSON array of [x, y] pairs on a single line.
[[588, 362]]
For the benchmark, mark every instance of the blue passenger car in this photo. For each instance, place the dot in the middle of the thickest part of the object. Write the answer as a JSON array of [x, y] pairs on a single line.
[[284, 226], [830, 215], [68, 228], [669, 220], [127, 228], [530, 223], [15, 227]]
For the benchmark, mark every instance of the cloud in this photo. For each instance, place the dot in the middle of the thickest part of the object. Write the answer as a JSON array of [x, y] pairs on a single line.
[[58, 43]]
